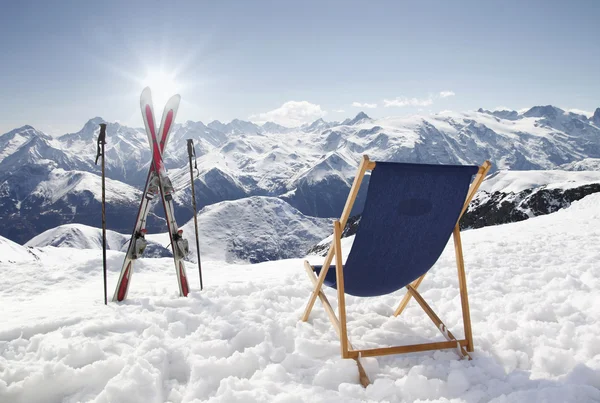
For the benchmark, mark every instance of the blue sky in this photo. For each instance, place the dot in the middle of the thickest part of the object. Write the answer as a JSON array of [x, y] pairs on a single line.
[[66, 62]]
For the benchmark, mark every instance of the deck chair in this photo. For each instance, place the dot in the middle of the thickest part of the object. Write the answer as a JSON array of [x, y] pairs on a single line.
[[410, 212]]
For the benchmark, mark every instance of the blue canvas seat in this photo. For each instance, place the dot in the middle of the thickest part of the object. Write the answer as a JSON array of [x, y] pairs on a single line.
[[409, 216], [410, 213]]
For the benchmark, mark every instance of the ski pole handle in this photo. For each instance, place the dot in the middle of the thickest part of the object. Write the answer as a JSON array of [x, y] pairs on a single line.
[[101, 141], [102, 135], [192, 151]]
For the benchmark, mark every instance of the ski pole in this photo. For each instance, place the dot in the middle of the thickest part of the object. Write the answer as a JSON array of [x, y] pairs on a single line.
[[100, 152], [192, 151]]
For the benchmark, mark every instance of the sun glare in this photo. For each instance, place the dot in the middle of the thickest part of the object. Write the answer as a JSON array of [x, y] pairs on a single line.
[[163, 86]]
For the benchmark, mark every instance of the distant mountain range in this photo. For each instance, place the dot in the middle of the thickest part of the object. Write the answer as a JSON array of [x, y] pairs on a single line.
[[253, 229], [47, 181], [511, 196]]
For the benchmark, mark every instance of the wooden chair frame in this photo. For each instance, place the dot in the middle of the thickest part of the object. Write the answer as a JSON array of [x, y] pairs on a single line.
[[463, 346]]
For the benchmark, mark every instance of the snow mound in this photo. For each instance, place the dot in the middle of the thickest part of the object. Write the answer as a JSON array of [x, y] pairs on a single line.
[[255, 229], [11, 252], [77, 236], [81, 236]]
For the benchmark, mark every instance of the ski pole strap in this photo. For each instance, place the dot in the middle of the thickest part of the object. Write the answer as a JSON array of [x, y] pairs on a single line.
[[192, 152], [101, 141]]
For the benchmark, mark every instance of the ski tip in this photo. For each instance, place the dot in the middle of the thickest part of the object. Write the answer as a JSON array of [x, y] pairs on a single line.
[[175, 99], [146, 95]]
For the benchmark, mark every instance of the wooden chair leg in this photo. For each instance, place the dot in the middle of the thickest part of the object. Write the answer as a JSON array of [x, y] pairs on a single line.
[[462, 284], [362, 374], [438, 322], [319, 284], [364, 165], [339, 274], [415, 284]]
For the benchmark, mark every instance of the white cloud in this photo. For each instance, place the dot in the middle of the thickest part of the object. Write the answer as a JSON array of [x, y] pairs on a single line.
[[401, 102], [365, 105], [404, 101], [581, 112], [338, 111], [291, 114]]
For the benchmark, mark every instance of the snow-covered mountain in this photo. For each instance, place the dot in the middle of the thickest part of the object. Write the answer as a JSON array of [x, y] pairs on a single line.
[[586, 164], [510, 196], [41, 197], [253, 229], [311, 167], [12, 252], [81, 236]]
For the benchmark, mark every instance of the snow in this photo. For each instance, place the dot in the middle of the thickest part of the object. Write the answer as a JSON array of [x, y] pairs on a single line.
[[252, 228], [10, 142], [61, 183], [263, 227], [11, 252], [77, 236], [241, 159], [534, 307], [586, 164], [518, 181]]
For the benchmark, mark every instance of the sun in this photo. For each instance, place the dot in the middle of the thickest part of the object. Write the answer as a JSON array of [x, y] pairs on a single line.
[[163, 86]]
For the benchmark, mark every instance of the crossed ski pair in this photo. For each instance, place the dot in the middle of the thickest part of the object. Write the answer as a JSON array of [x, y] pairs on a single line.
[[157, 181]]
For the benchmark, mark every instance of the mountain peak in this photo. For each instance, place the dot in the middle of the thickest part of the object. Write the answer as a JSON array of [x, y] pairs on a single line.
[[243, 126], [216, 125], [547, 111], [360, 117], [596, 118], [97, 120], [27, 131], [318, 124], [274, 127], [502, 114]]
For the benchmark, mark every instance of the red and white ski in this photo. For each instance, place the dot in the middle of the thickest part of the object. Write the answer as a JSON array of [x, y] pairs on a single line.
[[157, 180]]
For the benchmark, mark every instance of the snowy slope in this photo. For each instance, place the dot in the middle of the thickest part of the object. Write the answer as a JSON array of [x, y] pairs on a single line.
[[534, 306], [77, 236], [262, 228], [11, 252], [62, 184], [508, 196], [127, 150], [50, 197], [518, 181], [586, 164], [253, 229], [15, 139], [81, 236]]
